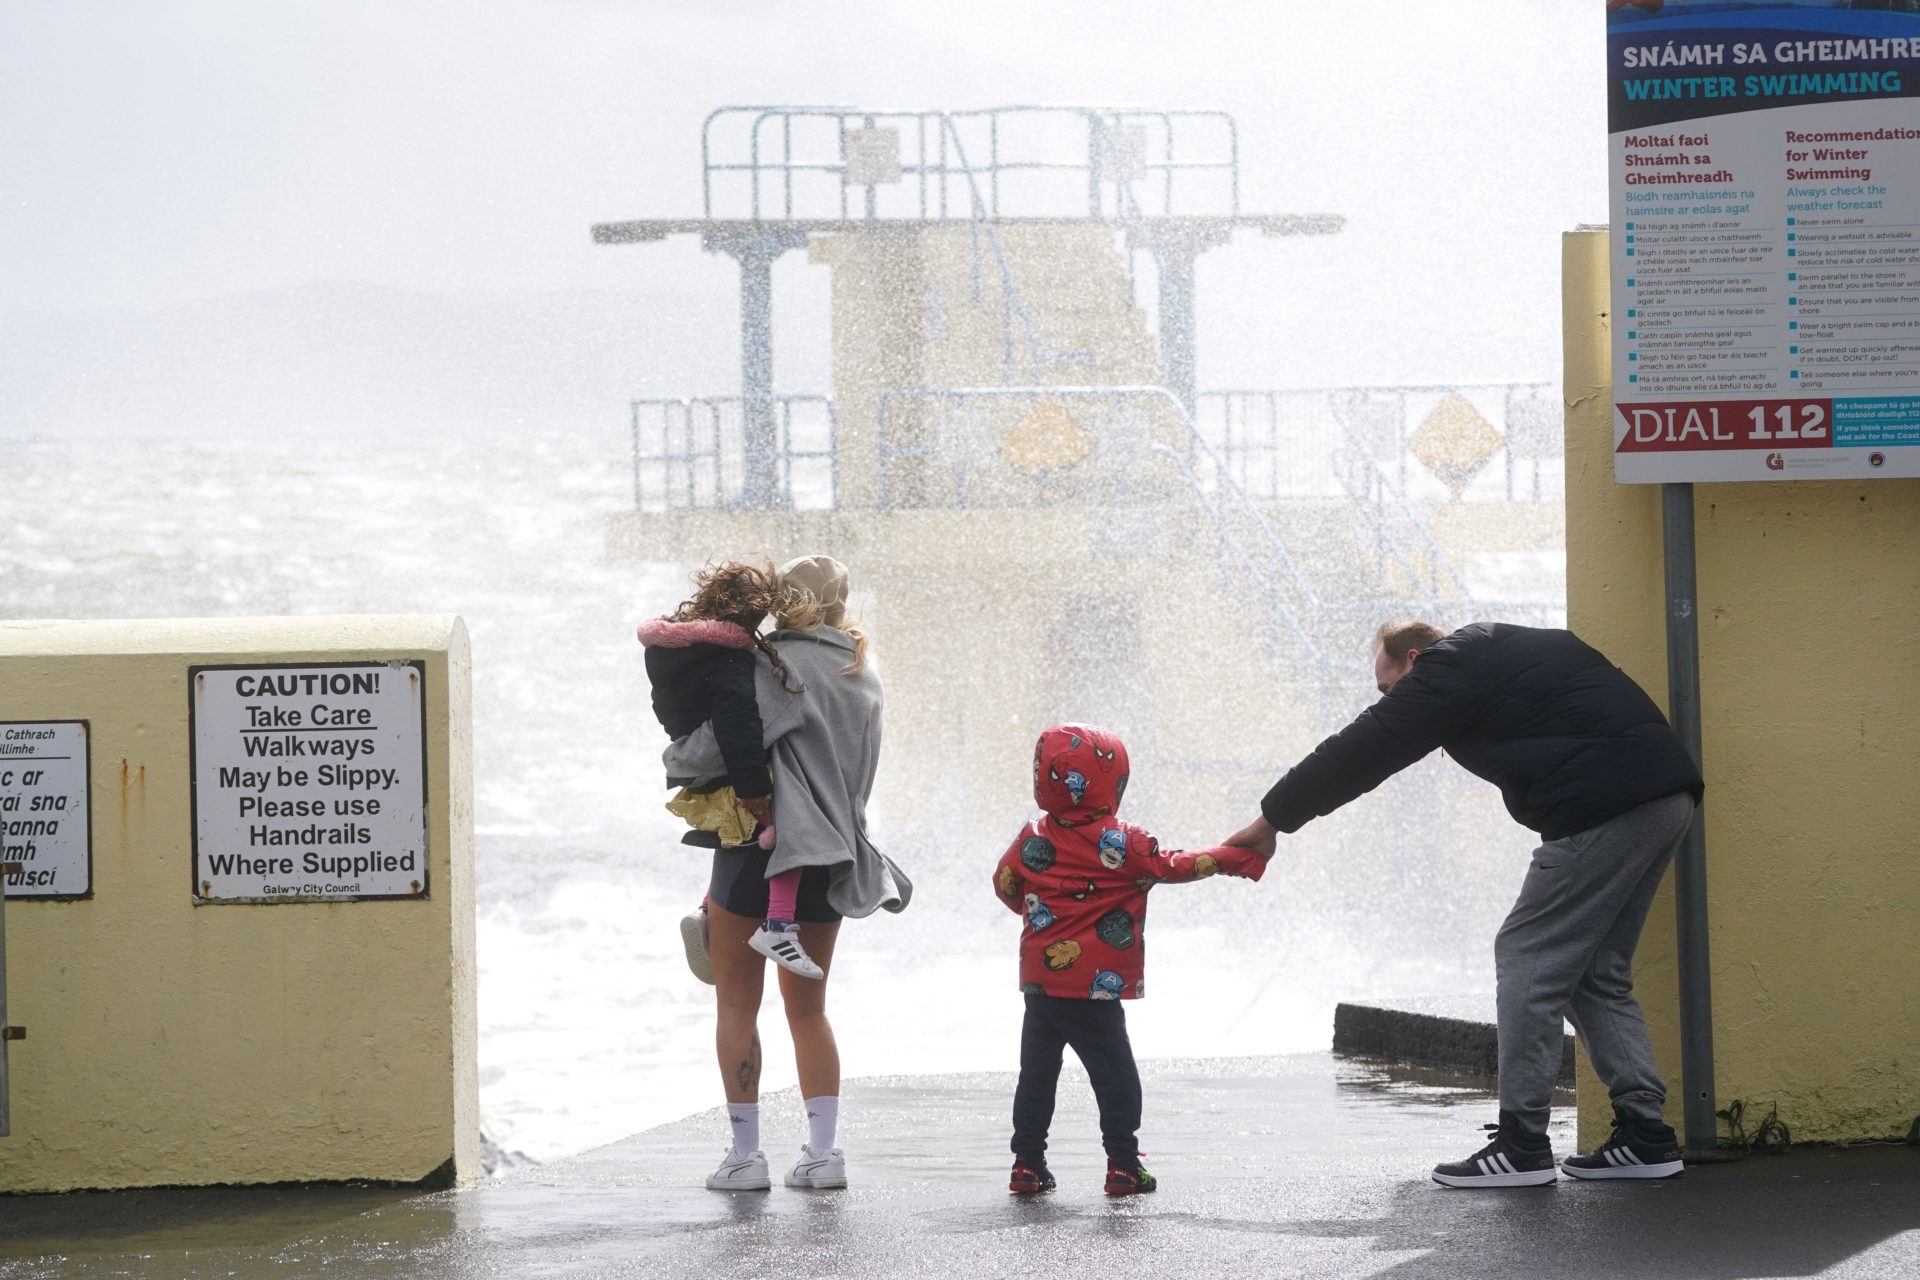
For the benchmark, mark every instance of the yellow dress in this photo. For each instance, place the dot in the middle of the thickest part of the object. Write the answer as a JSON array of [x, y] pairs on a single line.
[[717, 811]]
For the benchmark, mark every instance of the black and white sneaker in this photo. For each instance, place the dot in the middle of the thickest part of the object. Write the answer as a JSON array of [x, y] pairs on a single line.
[[1501, 1163], [782, 946], [1636, 1150]]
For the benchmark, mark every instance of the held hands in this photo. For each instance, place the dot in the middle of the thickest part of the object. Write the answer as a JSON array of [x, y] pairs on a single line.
[[1246, 864], [1226, 860], [1258, 835]]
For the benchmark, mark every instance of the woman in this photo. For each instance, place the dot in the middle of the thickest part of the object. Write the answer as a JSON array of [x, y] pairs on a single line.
[[821, 713]]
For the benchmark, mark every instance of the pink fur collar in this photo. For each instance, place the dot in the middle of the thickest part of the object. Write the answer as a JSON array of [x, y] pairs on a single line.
[[664, 633]]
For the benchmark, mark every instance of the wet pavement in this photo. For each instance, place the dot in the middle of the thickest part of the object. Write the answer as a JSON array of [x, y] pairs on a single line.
[[1296, 1166]]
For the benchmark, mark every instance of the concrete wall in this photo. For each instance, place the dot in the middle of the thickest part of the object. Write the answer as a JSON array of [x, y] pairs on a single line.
[[1809, 599], [171, 1043], [905, 316]]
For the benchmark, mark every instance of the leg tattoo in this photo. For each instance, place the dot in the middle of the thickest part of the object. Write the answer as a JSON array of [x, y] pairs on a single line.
[[749, 1069]]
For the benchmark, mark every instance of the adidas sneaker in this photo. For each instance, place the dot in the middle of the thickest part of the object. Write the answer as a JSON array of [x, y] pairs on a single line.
[[1635, 1150], [1503, 1162], [782, 946]]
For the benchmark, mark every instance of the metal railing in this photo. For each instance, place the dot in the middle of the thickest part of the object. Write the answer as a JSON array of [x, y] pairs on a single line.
[[1355, 443], [798, 163], [963, 165], [1012, 305], [688, 453], [1400, 536], [1123, 165], [1280, 618], [1288, 444], [1021, 446], [1105, 138]]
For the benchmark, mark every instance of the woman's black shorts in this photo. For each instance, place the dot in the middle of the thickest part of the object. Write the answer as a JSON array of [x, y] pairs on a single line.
[[739, 885]]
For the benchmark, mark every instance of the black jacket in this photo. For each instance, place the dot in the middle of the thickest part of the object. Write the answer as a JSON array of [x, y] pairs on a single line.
[[694, 683], [1568, 737]]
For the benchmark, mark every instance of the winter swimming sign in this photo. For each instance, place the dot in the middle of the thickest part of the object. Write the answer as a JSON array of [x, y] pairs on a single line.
[[309, 782], [1764, 275]]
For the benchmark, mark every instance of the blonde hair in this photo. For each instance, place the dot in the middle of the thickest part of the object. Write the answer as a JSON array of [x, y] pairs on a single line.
[[1402, 637], [798, 609]]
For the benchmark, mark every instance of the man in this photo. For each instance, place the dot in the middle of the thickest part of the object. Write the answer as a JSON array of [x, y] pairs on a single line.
[[1583, 757]]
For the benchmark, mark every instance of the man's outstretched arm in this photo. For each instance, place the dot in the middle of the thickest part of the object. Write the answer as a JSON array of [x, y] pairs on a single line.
[[1398, 730]]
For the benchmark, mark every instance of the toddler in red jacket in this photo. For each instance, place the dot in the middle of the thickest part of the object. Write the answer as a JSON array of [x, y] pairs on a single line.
[[1080, 877]]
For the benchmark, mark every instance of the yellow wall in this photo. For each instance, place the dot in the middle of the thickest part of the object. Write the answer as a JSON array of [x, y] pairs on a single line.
[[1809, 599], [175, 1044]]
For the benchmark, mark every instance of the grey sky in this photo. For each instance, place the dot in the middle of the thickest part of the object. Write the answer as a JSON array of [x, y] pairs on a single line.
[[160, 152]]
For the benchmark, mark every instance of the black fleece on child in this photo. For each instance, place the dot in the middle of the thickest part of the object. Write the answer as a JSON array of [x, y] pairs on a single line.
[[700, 671]]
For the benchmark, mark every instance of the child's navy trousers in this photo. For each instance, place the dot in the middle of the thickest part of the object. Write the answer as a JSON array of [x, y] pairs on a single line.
[[1097, 1032]]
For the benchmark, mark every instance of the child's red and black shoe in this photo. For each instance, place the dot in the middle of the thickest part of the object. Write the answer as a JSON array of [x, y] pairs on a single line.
[[1130, 1179], [1029, 1180]]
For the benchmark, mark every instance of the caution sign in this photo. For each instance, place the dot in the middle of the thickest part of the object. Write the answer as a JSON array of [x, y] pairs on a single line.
[[309, 782], [45, 808]]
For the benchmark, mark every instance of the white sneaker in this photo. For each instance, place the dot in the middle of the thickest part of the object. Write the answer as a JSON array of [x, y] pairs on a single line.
[[693, 935], [784, 949], [821, 1173], [740, 1173]]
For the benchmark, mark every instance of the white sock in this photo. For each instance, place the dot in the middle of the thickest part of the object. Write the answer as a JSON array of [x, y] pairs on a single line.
[[823, 1116], [745, 1119]]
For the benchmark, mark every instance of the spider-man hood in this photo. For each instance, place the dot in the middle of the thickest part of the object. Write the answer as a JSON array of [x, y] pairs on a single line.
[[1079, 773]]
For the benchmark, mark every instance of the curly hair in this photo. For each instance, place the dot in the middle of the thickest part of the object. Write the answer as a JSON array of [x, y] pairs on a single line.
[[741, 593], [731, 591]]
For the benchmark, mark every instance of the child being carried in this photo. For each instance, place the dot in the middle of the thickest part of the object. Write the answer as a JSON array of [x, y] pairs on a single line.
[[700, 663]]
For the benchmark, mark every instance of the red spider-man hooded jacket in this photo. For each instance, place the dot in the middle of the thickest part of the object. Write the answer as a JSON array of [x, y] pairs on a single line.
[[1080, 876]]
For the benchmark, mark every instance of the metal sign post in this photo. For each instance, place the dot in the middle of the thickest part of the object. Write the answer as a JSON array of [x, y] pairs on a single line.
[[1690, 863]]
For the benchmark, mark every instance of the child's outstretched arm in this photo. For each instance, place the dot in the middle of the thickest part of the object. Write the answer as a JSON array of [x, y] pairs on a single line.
[[1180, 866]]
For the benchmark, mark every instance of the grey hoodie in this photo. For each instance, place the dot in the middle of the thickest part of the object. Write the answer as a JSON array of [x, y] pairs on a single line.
[[826, 748]]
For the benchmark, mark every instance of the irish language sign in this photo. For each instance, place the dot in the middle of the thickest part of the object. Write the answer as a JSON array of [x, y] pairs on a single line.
[[45, 809], [1766, 240], [309, 782]]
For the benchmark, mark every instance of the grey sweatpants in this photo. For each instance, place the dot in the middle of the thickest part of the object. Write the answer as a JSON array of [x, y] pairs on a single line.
[[1566, 951]]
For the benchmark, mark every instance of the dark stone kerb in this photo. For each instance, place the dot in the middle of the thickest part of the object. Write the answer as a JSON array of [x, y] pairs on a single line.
[[1424, 1039]]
